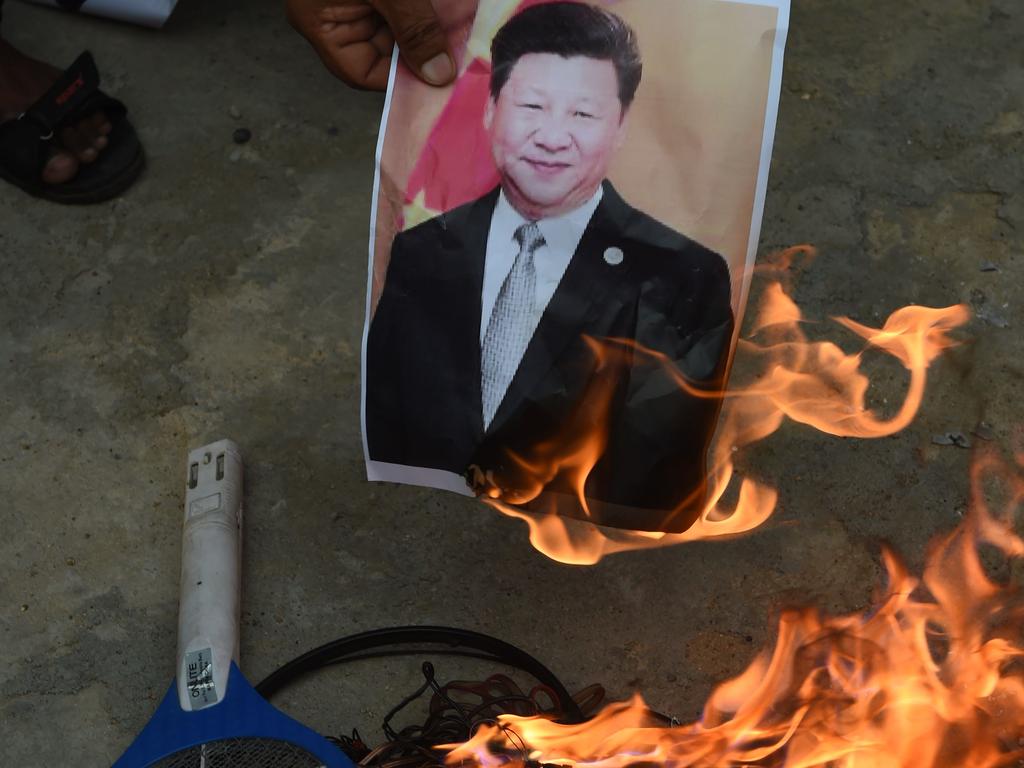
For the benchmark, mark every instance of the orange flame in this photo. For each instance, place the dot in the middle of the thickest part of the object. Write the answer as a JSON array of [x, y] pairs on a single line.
[[811, 382], [930, 677]]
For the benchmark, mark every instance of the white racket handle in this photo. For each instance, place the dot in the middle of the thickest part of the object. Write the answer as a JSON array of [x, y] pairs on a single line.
[[211, 560]]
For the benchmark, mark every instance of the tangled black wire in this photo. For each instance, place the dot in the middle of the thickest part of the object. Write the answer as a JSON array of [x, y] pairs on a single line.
[[457, 710]]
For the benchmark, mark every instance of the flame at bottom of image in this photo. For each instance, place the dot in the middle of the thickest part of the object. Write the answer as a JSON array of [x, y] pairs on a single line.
[[930, 676]]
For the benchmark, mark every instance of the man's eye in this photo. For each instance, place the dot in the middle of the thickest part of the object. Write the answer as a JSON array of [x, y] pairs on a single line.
[[584, 115], [530, 105]]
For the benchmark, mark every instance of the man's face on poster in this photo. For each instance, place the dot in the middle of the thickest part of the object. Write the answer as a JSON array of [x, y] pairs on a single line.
[[554, 128]]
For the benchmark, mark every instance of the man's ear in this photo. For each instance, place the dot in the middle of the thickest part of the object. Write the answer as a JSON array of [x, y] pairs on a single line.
[[489, 113]]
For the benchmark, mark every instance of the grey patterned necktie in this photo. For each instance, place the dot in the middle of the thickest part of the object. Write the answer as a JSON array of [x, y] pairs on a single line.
[[510, 326]]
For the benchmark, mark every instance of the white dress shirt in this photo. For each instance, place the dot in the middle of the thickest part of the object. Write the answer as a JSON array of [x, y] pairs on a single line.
[[562, 236]]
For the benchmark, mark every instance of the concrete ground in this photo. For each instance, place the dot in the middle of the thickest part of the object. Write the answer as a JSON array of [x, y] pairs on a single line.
[[224, 296]]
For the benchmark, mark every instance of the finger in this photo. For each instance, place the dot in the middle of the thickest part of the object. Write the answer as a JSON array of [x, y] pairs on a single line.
[[360, 65], [357, 30], [383, 41], [420, 39], [367, 64], [355, 45]]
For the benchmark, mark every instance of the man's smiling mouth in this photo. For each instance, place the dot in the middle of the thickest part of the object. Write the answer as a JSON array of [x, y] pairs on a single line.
[[546, 166]]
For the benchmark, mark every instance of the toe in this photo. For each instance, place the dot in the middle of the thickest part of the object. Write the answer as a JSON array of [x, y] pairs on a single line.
[[100, 129], [95, 129], [80, 143], [80, 140], [61, 167], [101, 125], [105, 126], [93, 123], [73, 141]]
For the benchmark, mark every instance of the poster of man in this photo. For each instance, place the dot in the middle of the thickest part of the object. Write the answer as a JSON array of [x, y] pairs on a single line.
[[553, 298]]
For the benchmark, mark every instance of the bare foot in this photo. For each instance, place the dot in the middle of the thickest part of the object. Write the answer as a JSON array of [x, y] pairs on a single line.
[[22, 81]]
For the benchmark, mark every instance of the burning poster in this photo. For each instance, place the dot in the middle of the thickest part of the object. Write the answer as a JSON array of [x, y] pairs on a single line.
[[557, 240]]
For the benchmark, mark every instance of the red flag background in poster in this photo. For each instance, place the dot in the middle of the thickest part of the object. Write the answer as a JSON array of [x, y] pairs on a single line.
[[455, 165]]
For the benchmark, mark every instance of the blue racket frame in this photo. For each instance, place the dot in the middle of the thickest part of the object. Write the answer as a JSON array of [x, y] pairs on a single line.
[[242, 714]]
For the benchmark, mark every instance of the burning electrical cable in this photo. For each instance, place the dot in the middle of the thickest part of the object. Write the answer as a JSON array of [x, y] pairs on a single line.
[[930, 677], [457, 710]]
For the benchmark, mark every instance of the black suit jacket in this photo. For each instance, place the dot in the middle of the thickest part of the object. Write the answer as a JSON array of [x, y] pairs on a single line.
[[669, 294]]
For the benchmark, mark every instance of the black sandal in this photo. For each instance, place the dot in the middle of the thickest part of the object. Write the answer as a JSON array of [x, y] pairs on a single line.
[[26, 141]]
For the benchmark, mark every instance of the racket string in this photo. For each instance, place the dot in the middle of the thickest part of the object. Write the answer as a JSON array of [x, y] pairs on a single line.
[[242, 753]]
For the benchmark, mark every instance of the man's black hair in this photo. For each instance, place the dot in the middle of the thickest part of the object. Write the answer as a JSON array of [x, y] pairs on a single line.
[[568, 29]]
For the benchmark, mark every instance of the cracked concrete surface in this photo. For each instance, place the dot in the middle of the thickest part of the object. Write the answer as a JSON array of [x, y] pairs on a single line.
[[224, 296]]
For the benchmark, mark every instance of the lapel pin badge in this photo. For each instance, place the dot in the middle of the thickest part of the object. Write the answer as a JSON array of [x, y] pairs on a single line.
[[613, 256]]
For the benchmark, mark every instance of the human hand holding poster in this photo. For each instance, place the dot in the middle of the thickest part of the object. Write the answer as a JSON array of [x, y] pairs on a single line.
[[558, 240]]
